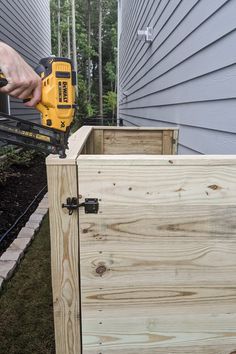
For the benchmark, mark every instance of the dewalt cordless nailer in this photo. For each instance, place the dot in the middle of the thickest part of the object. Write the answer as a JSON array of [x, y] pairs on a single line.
[[57, 108]]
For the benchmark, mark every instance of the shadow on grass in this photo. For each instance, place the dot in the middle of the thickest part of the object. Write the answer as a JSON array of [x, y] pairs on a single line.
[[26, 309]]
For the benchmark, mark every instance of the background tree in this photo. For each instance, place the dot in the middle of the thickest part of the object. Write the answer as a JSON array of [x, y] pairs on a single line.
[[100, 76], [87, 33]]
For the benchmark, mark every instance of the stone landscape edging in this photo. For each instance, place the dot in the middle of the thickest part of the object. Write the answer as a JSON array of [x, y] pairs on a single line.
[[15, 252]]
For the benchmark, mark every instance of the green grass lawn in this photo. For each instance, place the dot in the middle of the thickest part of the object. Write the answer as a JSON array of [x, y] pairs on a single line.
[[26, 310]]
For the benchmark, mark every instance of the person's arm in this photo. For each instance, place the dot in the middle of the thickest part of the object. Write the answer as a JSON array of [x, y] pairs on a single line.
[[23, 82]]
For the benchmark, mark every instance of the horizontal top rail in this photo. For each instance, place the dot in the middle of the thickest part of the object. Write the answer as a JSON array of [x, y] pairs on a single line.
[[160, 160], [78, 140]]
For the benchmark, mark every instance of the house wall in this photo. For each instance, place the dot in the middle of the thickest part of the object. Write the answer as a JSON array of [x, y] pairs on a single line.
[[186, 76], [25, 25]]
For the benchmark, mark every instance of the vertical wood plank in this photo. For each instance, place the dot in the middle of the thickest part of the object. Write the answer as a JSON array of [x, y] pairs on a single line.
[[98, 141], [167, 142], [84, 151], [62, 183], [175, 142], [91, 143]]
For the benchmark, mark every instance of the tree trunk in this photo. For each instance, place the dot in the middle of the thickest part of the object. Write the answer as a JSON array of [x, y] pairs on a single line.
[[89, 56], [74, 45], [59, 28], [100, 61], [68, 30]]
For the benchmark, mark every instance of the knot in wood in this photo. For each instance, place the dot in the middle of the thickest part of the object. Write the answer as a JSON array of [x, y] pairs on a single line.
[[214, 187], [101, 270]]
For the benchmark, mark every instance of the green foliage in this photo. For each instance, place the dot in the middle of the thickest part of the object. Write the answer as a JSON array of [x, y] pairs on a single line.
[[88, 99], [90, 110], [5, 150], [110, 103], [85, 109], [110, 70], [24, 158]]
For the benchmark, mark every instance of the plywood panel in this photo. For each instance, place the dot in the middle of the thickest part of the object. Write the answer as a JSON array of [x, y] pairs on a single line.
[[158, 262]]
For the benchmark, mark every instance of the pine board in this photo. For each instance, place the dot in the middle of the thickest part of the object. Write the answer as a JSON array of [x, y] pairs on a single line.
[[64, 259], [158, 263]]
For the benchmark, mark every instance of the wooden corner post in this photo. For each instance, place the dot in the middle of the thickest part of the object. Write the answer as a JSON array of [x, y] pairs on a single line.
[[64, 234], [64, 259]]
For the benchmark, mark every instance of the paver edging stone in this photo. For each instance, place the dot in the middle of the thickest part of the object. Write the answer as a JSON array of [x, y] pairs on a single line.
[[15, 252]]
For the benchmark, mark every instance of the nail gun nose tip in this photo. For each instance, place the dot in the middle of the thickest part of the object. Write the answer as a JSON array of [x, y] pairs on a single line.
[[63, 155]]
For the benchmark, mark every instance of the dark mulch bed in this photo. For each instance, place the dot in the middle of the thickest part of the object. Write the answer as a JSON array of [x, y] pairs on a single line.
[[23, 183]]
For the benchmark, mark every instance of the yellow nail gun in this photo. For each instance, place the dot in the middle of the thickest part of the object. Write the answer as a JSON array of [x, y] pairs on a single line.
[[57, 108]]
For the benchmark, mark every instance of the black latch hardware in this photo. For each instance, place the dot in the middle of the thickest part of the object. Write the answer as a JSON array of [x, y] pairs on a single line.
[[71, 204], [90, 205]]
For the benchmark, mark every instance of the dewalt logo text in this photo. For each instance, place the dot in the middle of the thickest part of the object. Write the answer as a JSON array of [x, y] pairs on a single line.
[[63, 91]]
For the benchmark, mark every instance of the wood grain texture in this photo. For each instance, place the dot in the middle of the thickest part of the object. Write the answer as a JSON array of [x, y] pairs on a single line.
[[149, 141], [194, 349], [133, 142], [168, 160], [175, 142], [167, 221], [64, 259], [89, 144], [158, 263], [77, 141], [98, 141], [158, 185], [162, 331], [167, 143], [134, 128]]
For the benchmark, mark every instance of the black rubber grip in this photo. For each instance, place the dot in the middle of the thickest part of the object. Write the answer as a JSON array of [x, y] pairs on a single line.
[[74, 78], [62, 75], [64, 106]]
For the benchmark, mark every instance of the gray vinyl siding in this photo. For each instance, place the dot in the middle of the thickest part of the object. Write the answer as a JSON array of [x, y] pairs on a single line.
[[187, 76], [25, 26]]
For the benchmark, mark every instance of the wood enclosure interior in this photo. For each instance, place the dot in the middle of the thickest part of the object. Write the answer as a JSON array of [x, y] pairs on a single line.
[[125, 141]]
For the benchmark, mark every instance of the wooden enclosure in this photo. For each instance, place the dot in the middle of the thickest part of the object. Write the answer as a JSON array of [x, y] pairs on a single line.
[[154, 270]]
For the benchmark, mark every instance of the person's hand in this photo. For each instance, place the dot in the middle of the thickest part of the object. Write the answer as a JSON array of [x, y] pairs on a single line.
[[23, 82]]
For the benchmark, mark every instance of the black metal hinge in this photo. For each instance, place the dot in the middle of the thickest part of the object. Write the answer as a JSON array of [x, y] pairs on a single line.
[[90, 205]]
